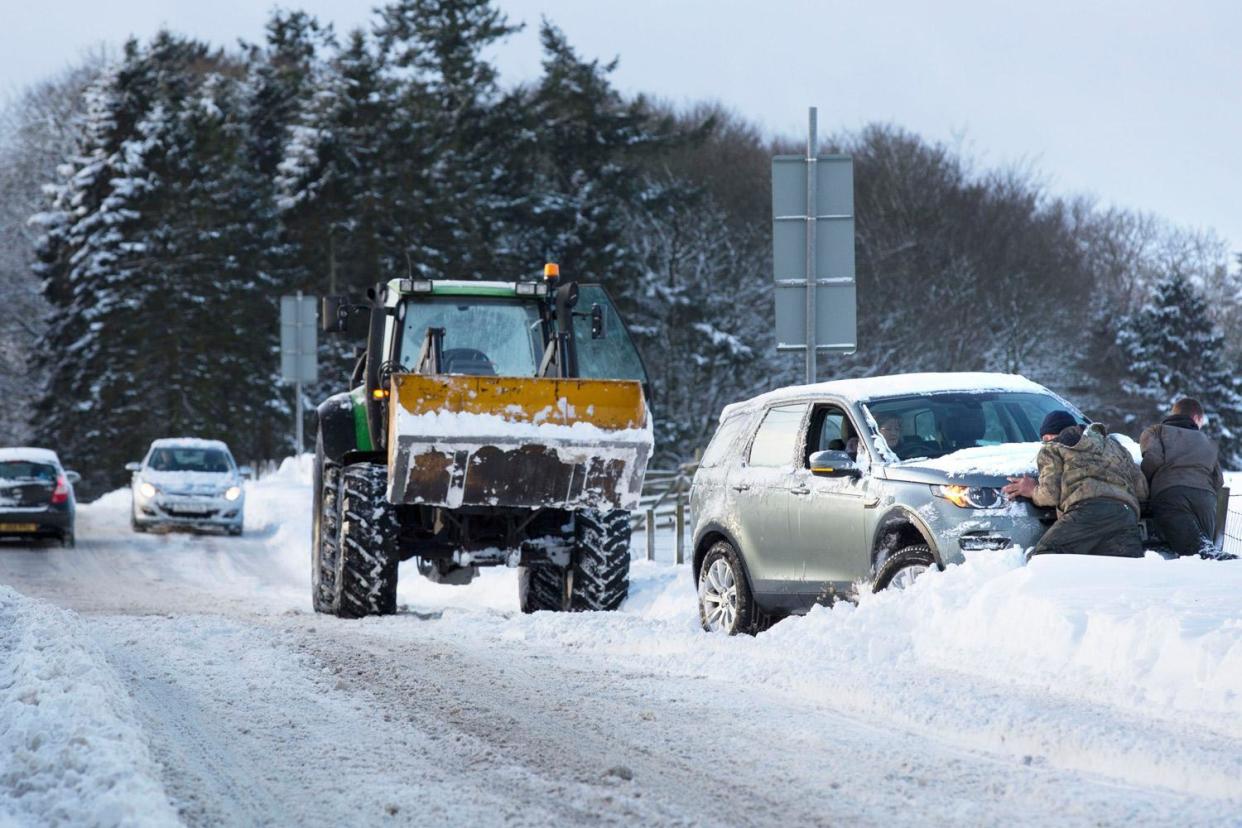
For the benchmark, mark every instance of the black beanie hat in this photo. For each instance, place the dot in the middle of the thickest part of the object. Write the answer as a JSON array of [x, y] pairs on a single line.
[[1056, 422]]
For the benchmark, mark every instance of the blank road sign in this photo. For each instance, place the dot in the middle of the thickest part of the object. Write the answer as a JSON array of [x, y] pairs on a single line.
[[836, 326], [299, 342]]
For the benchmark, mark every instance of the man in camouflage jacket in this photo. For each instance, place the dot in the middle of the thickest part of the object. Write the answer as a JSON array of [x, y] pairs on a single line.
[[1095, 485]]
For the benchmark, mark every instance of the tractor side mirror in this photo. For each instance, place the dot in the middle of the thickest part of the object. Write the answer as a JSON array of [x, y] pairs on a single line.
[[334, 314], [834, 464], [133, 467], [597, 322]]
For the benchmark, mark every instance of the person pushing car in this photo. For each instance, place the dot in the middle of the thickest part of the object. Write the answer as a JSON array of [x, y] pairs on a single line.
[[1182, 466], [1095, 485]]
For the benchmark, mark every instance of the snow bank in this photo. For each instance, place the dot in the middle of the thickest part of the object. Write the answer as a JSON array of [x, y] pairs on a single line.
[[1128, 668], [71, 750]]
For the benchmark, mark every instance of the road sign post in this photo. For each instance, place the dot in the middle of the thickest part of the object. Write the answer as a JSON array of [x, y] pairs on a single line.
[[813, 252], [299, 351]]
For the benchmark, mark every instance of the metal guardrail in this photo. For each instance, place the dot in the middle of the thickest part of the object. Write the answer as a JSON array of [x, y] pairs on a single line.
[[663, 502]]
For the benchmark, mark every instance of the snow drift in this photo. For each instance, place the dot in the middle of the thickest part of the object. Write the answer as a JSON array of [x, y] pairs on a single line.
[[71, 750]]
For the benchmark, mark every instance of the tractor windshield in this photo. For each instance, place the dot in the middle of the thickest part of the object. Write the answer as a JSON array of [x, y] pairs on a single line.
[[483, 336]]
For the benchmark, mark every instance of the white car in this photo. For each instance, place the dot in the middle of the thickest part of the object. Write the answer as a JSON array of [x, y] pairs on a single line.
[[188, 482]]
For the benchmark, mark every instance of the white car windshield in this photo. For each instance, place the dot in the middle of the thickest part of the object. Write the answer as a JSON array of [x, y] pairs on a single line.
[[933, 425]]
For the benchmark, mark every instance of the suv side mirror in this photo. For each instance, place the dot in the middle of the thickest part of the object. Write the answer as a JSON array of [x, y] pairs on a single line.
[[834, 464], [133, 467], [73, 477], [597, 322]]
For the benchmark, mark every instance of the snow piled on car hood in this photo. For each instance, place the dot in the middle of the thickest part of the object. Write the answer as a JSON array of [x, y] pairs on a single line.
[[71, 750], [991, 461], [1003, 460]]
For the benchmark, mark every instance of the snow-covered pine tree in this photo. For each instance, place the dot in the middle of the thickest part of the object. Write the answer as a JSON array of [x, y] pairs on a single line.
[[155, 259], [333, 181], [1173, 350], [700, 293], [87, 253], [449, 141]]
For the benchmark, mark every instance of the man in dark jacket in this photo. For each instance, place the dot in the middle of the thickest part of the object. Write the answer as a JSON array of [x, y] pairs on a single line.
[[1182, 465], [1095, 485]]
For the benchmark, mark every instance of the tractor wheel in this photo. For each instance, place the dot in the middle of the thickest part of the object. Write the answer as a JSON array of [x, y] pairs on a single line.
[[366, 571], [325, 532], [598, 577], [542, 587], [601, 563]]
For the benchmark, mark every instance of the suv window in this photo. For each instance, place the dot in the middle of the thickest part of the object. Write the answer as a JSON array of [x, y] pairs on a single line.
[[774, 441], [725, 437], [831, 430]]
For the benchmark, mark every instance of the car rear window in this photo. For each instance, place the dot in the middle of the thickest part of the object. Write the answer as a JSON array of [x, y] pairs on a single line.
[[774, 441], [726, 435], [25, 471]]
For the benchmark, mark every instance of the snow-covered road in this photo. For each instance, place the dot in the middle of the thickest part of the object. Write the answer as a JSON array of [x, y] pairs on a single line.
[[189, 681]]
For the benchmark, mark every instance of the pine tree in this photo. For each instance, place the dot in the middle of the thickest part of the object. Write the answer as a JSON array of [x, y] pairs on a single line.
[[1173, 350], [86, 253], [154, 258]]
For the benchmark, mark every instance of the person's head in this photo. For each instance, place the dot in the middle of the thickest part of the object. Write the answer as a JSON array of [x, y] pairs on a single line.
[[1054, 423], [890, 429], [1192, 408]]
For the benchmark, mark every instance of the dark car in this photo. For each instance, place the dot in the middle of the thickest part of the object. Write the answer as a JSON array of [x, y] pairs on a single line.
[[36, 495]]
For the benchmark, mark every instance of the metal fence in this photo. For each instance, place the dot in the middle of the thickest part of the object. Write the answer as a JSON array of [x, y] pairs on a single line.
[[1233, 526], [663, 504]]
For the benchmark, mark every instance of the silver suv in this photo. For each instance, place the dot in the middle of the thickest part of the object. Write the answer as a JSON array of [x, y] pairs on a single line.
[[809, 493]]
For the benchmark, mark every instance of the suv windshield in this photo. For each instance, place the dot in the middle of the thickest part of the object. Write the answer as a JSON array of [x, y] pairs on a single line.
[[938, 424], [189, 460], [483, 336]]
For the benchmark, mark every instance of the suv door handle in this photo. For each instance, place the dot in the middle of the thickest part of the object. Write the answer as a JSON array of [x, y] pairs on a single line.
[[800, 490], [740, 487]]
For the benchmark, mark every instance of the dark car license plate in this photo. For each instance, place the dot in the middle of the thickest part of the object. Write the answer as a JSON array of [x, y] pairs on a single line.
[[19, 527]]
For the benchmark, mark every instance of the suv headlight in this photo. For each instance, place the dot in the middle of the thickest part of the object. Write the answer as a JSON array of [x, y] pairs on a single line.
[[970, 497], [148, 491], [232, 493]]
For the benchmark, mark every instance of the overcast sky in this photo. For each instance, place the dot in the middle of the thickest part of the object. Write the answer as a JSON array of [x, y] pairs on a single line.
[[1138, 103]]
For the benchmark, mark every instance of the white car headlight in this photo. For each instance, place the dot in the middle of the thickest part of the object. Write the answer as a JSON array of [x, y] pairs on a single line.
[[232, 493], [148, 490]]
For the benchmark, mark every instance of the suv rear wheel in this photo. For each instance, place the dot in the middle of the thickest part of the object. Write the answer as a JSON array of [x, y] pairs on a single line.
[[726, 604], [903, 567]]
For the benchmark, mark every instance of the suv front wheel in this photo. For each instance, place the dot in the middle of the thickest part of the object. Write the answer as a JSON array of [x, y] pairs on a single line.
[[725, 601], [903, 567]]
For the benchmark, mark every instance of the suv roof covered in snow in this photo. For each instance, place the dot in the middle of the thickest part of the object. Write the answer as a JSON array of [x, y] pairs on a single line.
[[892, 385]]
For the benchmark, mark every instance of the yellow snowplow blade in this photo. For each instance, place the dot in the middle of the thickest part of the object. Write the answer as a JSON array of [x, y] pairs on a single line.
[[517, 442], [607, 404]]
